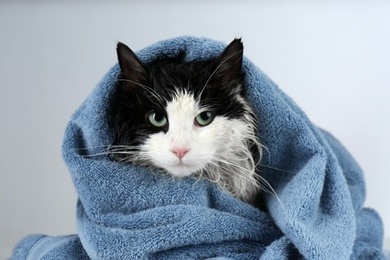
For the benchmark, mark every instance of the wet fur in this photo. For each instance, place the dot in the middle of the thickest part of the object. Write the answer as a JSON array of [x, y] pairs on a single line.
[[180, 90]]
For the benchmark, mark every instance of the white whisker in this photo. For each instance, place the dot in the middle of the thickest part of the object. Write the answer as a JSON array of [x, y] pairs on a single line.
[[150, 90], [215, 71], [276, 169]]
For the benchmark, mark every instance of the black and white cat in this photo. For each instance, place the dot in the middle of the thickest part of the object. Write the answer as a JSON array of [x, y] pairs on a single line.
[[188, 119]]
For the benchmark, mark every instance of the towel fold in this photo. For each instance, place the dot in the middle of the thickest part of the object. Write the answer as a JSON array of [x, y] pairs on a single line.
[[127, 212]]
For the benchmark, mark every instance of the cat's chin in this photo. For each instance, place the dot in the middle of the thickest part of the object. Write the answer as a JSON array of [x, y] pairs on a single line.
[[181, 170]]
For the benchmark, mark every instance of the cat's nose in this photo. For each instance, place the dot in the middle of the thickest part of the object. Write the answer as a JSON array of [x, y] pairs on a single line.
[[180, 151]]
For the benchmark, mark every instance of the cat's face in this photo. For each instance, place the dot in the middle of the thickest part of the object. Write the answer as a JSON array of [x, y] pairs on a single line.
[[182, 117], [195, 138]]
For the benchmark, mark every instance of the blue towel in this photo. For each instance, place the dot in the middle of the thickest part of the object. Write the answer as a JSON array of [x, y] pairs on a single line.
[[126, 212]]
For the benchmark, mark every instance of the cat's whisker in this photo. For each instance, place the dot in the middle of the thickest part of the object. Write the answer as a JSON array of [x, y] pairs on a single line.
[[265, 148], [215, 71], [123, 146], [109, 153], [276, 169], [148, 89], [126, 152], [94, 155], [93, 147]]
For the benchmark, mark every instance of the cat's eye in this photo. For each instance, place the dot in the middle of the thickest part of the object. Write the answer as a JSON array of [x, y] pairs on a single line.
[[157, 119], [204, 118]]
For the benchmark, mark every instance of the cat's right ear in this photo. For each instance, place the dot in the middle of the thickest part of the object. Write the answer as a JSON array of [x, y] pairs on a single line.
[[132, 68]]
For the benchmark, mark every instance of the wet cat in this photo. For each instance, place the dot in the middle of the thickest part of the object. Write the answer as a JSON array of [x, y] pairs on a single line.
[[188, 119]]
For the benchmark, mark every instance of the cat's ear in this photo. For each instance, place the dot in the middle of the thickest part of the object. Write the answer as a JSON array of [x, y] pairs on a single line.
[[229, 63], [132, 68]]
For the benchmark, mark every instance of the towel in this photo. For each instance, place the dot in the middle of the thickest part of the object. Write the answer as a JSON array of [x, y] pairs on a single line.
[[128, 212]]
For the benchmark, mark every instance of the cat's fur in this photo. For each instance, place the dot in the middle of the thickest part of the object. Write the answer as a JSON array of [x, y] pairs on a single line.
[[158, 108]]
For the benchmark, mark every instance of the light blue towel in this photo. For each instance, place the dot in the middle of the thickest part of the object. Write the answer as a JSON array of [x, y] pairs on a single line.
[[125, 212]]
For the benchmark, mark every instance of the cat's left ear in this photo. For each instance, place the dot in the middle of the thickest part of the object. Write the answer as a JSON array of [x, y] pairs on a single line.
[[229, 63]]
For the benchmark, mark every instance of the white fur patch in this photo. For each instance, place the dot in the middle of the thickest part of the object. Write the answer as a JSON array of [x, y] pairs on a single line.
[[217, 151], [182, 133]]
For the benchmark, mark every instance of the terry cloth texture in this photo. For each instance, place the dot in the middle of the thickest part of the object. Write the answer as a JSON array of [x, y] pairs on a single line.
[[125, 212]]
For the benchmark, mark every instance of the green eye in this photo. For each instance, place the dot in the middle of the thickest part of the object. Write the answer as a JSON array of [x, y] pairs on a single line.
[[204, 118], [157, 119]]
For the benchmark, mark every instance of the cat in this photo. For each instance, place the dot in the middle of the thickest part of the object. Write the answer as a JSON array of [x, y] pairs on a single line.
[[188, 119]]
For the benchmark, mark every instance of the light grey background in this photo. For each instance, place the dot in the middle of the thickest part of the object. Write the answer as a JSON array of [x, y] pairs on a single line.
[[331, 57]]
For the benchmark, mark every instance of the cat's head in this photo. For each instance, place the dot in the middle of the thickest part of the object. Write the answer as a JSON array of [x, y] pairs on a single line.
[[184, 117]]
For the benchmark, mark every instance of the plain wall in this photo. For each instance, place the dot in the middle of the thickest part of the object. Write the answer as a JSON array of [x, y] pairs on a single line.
[[331, 57]]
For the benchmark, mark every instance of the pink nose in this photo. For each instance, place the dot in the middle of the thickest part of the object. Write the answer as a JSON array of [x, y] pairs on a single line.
[[180, 151]]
